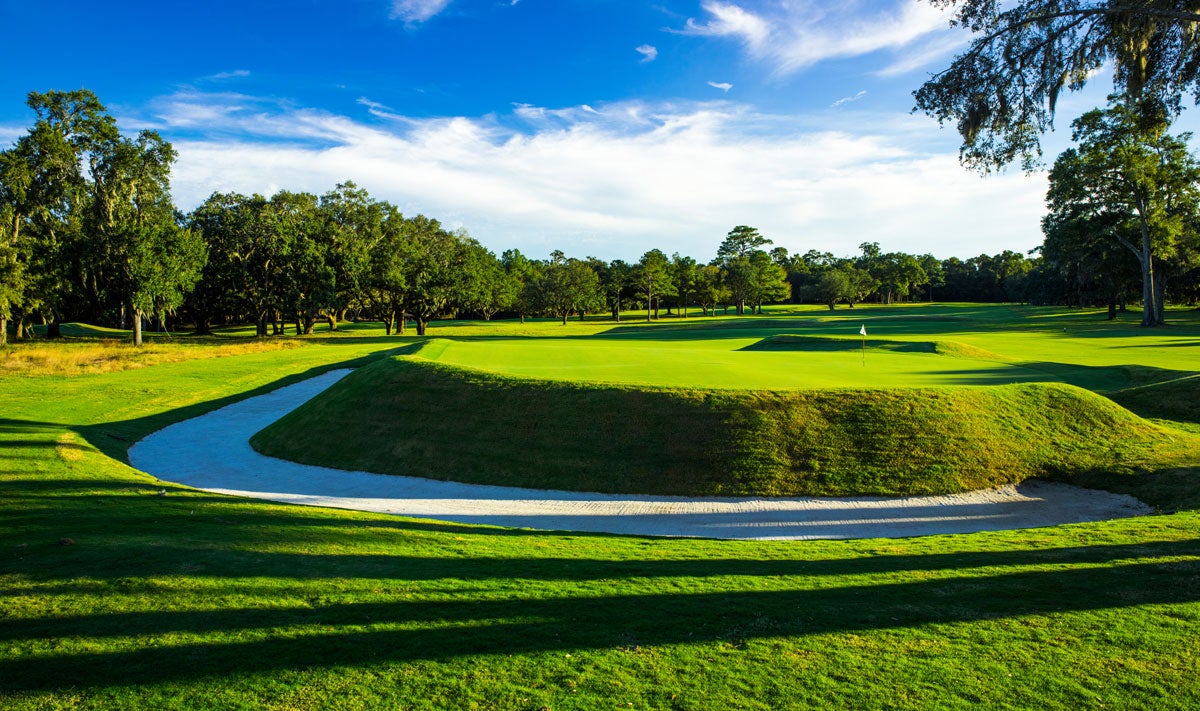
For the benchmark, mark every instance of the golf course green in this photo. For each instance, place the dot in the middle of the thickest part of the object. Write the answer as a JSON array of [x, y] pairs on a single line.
[[783, 406], [121, 591]]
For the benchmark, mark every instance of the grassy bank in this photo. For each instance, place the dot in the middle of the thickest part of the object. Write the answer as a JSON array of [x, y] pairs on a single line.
[[410, 416]]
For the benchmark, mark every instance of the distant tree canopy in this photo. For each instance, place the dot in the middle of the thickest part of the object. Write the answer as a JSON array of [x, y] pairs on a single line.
[[88, 231]]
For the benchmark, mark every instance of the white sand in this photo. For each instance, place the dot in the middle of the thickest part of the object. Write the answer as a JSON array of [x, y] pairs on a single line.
[[212, 452]]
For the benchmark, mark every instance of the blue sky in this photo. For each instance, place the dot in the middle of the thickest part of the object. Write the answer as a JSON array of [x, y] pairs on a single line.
[[599, 127]]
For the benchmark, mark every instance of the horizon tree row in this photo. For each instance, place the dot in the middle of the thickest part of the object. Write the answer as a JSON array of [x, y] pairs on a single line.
[[88, 231]]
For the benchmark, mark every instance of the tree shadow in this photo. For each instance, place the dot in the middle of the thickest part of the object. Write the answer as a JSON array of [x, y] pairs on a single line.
[[326, 633]]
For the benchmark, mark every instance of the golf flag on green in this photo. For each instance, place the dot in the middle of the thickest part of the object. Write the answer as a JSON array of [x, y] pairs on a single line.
[[863, 331]]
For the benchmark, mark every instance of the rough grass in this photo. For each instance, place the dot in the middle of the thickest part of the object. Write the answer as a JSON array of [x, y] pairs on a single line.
[[410, 416], [89, 355]]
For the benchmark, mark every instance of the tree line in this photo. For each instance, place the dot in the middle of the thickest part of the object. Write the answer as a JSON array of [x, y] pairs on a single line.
[[90, 233]]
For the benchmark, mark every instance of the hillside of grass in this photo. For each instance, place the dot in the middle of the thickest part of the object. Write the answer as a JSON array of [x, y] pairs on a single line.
[[409, 416]]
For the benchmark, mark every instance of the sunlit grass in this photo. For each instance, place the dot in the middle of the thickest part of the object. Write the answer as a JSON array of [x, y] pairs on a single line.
[[120, 591], [92, 356]]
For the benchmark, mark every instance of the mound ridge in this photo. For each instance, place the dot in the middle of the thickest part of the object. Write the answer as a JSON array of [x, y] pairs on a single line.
[[408, 416]]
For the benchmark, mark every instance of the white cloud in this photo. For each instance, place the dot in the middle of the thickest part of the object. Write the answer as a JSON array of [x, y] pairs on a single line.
[[222, 76], [614, 180], [416, 11], [925, 53], [729, 20], [848, 99], [722, 85], [648, 52], [795, 35], [10, 134]]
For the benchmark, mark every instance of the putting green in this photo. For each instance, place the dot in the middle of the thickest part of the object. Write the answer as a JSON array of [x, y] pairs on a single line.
[[743, 363]]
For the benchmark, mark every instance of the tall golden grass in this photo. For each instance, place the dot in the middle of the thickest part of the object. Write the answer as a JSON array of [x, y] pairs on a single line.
[[72, 357]]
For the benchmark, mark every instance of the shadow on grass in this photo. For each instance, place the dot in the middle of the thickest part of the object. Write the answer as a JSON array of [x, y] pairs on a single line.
[[319, 632]]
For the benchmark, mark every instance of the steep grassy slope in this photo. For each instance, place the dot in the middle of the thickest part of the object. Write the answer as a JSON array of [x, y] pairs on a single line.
[[409, 416]]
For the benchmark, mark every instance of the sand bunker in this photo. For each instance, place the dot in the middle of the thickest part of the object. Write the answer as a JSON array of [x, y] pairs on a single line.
[[212, 452]]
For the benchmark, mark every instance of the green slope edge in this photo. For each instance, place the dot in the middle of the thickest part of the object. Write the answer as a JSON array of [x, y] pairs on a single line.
[[412, 417]]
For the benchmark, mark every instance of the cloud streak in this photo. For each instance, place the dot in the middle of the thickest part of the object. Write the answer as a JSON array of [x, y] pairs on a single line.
[[417, 11], [649, 52], [617, 179], [794, 36]]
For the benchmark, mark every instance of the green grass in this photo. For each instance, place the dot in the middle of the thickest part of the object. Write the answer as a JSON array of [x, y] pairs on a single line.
[[173, 598], [410, 416], [777, 406]]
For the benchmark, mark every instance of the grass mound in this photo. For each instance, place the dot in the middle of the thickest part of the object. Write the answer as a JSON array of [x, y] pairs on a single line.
[[412, 417], [1175, 399]]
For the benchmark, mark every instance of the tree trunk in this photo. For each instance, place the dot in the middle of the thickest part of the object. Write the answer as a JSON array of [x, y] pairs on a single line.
[[403, 323], [1112, 310], [565, 314], [831, 306], [421, 324], [333, 320], [54, 330], [649, 301], [310, 322], [137, 327], [260, 326], [1160, 301], [389, 320], [3, 331]]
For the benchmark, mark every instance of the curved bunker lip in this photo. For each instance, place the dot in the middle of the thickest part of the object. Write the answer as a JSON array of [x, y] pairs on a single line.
[[212, 452]]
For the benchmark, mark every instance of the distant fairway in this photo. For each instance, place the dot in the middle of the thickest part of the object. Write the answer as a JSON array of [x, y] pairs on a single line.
[[914, 346], [949, 400]]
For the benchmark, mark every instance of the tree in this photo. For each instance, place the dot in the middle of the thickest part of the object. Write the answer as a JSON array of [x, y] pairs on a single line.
[[615, 281], [1136, 182], [769, 281], [653, 278], [933, 271], [523, 271], [352, 226], [1003, 90], [139, 252], [386, 282], [898, 273], [164, 265], [710, 288], [431, 260], [566, 286], [490, 289], [683, 273], [307, 284], [44, 196], [1086, 263], [740, 242]]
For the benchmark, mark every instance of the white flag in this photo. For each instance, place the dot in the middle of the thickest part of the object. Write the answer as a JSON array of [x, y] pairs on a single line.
[[863, 330]]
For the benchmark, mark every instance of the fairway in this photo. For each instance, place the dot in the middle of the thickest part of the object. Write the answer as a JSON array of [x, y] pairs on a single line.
[[919, 345], [122, 591]]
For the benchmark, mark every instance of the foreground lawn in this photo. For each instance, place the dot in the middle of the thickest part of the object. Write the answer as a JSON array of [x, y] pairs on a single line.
[[122, 591]]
